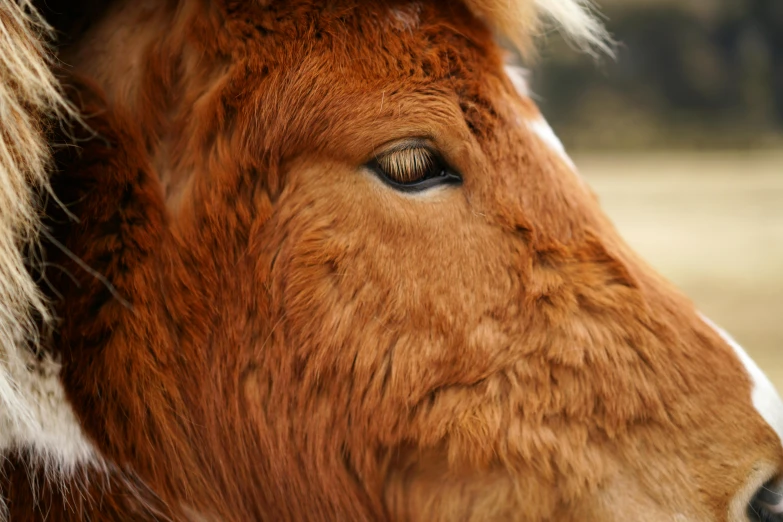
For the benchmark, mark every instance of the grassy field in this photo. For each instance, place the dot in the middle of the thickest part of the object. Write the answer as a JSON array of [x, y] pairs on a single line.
[[713, 224]]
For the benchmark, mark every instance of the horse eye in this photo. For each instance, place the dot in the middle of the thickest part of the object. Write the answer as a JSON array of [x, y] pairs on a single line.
[[412, 167]]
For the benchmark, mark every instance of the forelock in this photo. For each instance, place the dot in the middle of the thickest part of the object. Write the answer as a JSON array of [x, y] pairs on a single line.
[[519, 21]]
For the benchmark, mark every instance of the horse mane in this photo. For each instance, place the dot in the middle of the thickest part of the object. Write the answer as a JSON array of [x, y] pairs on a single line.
[[518, 21], [30, 102]]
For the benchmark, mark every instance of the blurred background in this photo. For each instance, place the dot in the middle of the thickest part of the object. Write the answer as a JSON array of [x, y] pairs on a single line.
[[681, 136]]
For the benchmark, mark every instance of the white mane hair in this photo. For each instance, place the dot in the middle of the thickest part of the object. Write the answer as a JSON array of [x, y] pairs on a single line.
[[27, 92], [519, 21], [34, 413]]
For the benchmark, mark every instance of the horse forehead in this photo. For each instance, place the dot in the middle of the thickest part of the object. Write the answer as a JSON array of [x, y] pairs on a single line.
[[765, 398]]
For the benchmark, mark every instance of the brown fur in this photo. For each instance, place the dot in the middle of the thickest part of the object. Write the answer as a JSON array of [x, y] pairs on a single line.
[[300, 342]]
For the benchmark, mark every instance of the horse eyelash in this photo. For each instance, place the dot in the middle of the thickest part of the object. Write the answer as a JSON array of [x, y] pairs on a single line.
[[408, 165]]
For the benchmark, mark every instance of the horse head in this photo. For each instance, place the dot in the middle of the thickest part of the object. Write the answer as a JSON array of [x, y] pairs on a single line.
[[327, 261]]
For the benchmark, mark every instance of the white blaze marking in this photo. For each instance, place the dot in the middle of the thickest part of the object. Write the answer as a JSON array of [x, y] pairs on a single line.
[[541, 128], [518, 77], [765, 398]]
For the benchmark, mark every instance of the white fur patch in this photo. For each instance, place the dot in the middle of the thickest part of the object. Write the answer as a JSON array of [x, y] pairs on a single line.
[[544, 132], [43, 423], [518, 77], [765, 398]]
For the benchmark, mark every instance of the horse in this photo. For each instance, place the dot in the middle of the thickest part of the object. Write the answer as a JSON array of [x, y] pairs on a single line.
[[303, 260]]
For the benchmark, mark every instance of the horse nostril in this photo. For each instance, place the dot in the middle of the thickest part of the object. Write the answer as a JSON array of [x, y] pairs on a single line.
[[767, 505]]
